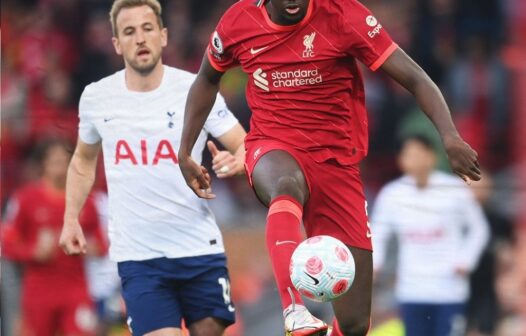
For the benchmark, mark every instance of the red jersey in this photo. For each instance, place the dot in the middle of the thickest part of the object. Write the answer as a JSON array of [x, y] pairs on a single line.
[[35, 208], [305, 87]]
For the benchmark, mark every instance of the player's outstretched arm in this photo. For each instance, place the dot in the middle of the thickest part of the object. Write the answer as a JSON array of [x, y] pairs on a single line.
[[81, 175], [462, 158], [201, 98]]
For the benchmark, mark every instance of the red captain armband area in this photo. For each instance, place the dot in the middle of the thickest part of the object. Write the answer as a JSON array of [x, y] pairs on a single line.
[[383, 57], [124, 153]]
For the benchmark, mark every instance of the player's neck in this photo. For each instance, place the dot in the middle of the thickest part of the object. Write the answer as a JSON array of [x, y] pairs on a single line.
[[421, 180], [55, 185], [140, 82]]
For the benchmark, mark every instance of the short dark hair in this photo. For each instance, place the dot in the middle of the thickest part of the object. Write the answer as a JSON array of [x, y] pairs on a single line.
[[41, 150]]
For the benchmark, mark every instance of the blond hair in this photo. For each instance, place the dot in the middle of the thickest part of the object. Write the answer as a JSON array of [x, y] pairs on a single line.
[[118, 5]]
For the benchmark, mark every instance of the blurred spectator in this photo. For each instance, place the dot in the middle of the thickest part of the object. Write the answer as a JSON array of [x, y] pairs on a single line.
[[441, 232], [55, 296], [484, 309], [478, 94]]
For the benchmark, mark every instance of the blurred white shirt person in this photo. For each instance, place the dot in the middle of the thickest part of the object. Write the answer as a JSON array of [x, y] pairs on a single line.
[[441, 232], [168, 248]]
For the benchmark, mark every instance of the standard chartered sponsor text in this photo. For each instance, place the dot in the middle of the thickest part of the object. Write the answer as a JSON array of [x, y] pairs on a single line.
[[294, 78]]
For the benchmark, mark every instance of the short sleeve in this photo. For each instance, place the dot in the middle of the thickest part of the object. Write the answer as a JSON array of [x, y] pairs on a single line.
[[87, 110], [220, 120], [220, 47], [363, 36]]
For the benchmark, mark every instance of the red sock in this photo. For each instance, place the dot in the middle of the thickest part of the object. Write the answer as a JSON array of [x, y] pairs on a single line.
[[336, 329], [283, 236]]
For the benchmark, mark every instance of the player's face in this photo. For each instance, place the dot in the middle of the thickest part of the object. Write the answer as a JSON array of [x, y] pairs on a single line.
[[55, 163], [139, 39], [288, 12], [416, 159]]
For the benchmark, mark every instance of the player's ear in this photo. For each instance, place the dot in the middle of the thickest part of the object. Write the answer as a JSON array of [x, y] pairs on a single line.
[[116, 45], [164, 37]]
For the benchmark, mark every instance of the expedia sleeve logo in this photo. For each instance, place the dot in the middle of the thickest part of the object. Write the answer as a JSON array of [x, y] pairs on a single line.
[[373, 22], [217, 44]]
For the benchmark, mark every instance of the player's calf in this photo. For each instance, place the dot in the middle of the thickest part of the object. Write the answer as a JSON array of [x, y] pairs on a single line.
[[351, 328]]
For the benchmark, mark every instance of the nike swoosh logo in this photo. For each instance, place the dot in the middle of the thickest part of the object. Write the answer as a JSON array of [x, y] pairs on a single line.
[[316, 281], [281, 242], [255, 51], [108, 119]]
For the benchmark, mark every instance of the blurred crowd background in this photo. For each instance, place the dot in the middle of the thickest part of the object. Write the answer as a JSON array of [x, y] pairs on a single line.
[[475, 50]]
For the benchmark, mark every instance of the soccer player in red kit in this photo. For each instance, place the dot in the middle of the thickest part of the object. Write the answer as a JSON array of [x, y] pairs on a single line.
[[55, 297], [308, 130]]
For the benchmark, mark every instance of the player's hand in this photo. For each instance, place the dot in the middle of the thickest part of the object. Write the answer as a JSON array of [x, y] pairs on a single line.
[[224, 163], [197, 177], [46, 245], [72, 238], [462, 158]]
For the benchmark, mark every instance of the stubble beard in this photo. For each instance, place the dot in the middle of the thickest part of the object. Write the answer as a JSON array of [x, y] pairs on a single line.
[[145, 69]]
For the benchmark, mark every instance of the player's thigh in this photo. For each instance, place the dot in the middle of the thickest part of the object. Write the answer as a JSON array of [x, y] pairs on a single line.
[[278, 173], [209, 326], [337, 205], [206, 304], [151, 303], [353, 309]]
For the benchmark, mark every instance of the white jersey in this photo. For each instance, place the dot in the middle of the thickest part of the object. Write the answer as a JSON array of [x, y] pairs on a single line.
[[438, 228], [153, 213]]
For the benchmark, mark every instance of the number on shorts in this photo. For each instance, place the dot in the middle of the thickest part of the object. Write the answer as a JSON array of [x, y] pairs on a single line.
[[226, 289]]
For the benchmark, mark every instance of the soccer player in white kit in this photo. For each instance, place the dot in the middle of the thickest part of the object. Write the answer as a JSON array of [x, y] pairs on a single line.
[[441, 232], [164, 238]]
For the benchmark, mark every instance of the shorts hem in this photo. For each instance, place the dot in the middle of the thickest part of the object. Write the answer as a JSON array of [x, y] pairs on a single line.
[[367, 246], [249, 169]]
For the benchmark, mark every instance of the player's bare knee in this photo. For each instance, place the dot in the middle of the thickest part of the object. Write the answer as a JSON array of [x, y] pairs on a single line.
[[208, 326], [291, 186]]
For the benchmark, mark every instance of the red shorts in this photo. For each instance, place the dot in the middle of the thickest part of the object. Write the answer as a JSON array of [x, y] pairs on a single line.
[[336, 206], [48, 315]]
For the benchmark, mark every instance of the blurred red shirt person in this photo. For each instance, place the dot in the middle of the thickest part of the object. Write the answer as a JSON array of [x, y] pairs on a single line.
[[55, 295]]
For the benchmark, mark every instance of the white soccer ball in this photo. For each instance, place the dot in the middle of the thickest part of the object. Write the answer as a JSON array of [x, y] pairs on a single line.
[[322, 268]]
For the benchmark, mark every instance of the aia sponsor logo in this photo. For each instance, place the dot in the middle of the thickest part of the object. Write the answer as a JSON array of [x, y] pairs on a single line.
[[125, 153]]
